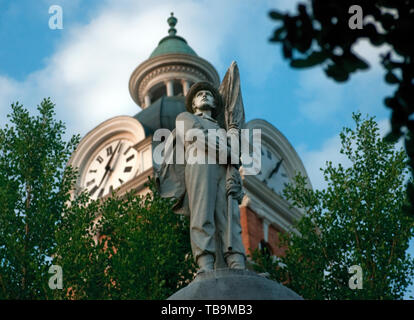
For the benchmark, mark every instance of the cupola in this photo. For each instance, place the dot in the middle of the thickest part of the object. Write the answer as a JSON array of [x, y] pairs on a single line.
[[170, 71]]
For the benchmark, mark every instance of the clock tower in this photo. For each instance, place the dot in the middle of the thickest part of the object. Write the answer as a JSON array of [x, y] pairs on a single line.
[[117, 154]]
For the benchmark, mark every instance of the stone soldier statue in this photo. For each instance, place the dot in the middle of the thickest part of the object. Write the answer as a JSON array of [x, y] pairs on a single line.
[[210, 193]]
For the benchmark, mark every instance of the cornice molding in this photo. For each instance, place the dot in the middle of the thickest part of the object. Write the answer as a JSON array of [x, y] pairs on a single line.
[[183, 60], [269, 205], [164, 73], [137, 184]]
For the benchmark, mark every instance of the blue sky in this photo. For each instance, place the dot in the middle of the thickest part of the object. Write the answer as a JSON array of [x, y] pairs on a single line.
[[85, 67]]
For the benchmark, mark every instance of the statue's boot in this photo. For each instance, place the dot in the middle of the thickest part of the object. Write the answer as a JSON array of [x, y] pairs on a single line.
[[236, 261], [206, 263]]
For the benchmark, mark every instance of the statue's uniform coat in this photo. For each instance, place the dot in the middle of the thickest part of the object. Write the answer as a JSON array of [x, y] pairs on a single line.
[[208, 192], [207, 197]]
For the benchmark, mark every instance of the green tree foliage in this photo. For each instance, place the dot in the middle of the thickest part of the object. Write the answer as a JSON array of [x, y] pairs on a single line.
[[319, 34], [129, 247], [357, 220], [34, 187]]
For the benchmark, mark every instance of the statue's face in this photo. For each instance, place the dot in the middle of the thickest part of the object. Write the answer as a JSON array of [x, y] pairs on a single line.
[[203, 100]]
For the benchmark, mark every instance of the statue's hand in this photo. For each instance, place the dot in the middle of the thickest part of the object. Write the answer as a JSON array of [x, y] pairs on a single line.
[[234, 184]]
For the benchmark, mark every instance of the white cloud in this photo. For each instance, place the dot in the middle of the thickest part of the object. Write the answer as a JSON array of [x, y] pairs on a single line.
[[371, 54], [320, 97], [8, 91]]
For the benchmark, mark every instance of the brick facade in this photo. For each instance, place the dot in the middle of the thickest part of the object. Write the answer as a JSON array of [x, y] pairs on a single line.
[[253, 233], [252, 229], [273, 240]]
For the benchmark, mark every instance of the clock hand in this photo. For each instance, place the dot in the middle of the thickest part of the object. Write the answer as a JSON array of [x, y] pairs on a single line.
[[117, 158], [106, 172], [276, 168], [107, 167], [115, 163]]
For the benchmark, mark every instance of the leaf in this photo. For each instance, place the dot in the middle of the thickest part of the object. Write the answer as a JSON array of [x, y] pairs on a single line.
[[275, 15], [392, 103], [351, 62], [391, 78], [336, 72], [393, 137], [361, 64], [287, 50], [278, 35], [313, 59]]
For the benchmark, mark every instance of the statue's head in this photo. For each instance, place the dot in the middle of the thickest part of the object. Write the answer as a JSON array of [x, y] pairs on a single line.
[[203, 100], [204, 96]]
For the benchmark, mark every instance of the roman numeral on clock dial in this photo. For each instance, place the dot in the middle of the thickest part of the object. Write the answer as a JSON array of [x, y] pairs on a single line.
[[109, 151]]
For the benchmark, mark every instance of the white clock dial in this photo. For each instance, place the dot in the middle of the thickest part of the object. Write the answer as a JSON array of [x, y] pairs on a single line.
[[113, 165], [273, 171]]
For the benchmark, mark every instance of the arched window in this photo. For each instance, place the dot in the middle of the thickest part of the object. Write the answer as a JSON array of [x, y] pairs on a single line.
[[265, 248], [178, 88], [158, 91]]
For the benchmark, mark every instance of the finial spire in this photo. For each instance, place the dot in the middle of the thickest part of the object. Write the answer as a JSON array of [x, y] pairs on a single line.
[[172, 21]]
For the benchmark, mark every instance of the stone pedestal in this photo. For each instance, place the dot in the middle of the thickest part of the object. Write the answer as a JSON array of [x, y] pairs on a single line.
[[231, 284]]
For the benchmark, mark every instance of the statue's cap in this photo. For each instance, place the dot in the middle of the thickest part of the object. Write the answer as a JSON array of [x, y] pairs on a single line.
[[204, 85]]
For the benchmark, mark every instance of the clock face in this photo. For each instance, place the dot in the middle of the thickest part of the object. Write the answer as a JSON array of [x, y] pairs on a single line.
[[113, 165], [273, 171]]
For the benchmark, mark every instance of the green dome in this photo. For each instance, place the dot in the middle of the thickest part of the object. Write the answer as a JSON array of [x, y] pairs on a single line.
[[161, 114], [172, 43]]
